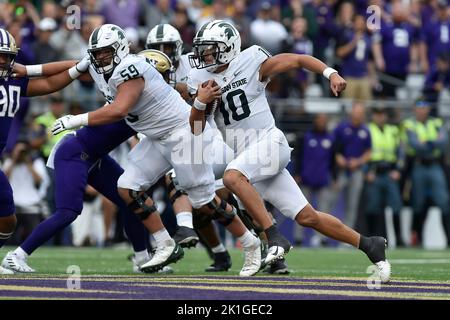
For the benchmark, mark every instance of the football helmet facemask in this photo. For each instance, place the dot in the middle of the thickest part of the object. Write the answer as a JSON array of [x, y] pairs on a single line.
[[107, 47], [167, 39], [216, 43], [8, 53]]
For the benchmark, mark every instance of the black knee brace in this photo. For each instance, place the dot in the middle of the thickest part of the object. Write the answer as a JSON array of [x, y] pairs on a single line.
[[171, 187], [139, 203], [200, 220], [220, 214]]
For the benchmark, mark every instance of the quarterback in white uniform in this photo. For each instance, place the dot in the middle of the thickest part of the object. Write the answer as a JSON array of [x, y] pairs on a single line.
[[137, 92], [167, 39], [261, 149]]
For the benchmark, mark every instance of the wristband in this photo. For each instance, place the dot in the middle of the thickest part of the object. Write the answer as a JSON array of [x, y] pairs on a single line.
[[34, 70], [80, 120], [74, 73], [328, 72], [199, 105]]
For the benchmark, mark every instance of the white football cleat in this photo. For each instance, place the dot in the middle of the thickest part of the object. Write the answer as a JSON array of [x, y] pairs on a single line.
[[170, 252], [13, 262], [384, 271], [252, 262], [4, 271], [137, 266]]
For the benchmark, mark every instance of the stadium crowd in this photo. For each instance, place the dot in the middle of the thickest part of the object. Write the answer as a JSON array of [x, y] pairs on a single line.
[[375, 157]]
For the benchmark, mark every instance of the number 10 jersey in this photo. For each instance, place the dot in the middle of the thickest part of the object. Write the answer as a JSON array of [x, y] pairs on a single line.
[[244, 104]]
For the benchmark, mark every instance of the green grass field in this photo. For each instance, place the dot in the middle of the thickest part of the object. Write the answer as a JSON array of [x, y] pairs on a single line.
[[315, 274], [413, 264]]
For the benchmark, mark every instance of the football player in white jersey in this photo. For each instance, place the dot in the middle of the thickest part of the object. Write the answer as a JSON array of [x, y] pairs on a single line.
[[137, 92], [167, 39], [261, 149]]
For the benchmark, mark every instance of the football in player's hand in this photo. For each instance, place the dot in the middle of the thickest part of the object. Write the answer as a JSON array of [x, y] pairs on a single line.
[[212, 106]]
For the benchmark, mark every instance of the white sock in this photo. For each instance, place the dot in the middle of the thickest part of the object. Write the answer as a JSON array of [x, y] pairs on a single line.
[[161, 236], [141, 255], [247, 239], [21, 253], [219, 248], [184, 219]]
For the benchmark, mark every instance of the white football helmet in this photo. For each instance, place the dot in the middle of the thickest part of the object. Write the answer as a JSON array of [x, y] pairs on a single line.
[[167, 39], [215, 44], [162, 63], [107, 36], [9, 48]]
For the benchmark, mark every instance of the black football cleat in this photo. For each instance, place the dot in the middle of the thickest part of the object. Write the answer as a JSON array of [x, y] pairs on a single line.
[[222, 262], [186, 237]]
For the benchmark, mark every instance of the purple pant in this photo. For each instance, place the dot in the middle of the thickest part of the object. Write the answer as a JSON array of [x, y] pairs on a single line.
[[6, 197], [74, 169]]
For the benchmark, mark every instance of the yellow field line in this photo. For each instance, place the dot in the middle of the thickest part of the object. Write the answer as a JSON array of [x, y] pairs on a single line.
[[349, 293], [51, 289], [299, 283]]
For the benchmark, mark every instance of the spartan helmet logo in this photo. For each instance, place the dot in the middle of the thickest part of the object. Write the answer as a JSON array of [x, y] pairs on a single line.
[[229, 30]]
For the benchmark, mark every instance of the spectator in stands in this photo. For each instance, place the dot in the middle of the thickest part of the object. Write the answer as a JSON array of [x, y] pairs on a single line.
[[43, 50], [323, 12], [353, 48], [435, 37], [263, 26], [218, 10], [158, 13], [395, 49], [297, 9], [353, 145], [316, 167], [45, 121], [185, 26], [438, 79], [29, 181], [426, 142], [383, 174], [124, 13], [295, 82], [242, 22]]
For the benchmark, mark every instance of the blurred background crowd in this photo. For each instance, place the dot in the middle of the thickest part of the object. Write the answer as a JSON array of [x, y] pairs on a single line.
[[377, 156]]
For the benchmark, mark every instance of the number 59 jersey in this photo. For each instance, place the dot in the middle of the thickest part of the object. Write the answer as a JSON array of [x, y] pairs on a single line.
[[159, 110], [244, 104]]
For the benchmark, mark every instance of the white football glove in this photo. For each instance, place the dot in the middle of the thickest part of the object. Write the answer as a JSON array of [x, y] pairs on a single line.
[[69, 122], [83, 64]]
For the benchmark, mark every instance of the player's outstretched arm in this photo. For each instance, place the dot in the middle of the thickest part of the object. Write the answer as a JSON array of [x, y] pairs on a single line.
[[128, 94], [287, 61], [56, 76]]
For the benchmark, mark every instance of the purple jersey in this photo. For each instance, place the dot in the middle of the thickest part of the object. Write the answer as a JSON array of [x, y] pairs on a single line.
[[317, 159], [302, 46], [436, 36], [325, 20], [434, 76], [10, 92], [396, 41], [98, 141], [355, 63], [352, 141]]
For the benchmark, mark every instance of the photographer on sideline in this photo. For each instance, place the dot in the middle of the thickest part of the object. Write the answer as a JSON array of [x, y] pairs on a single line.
[[29, 181]]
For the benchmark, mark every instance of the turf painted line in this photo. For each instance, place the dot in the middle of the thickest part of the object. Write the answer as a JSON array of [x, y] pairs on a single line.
[[419, 261], [216, 288]]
